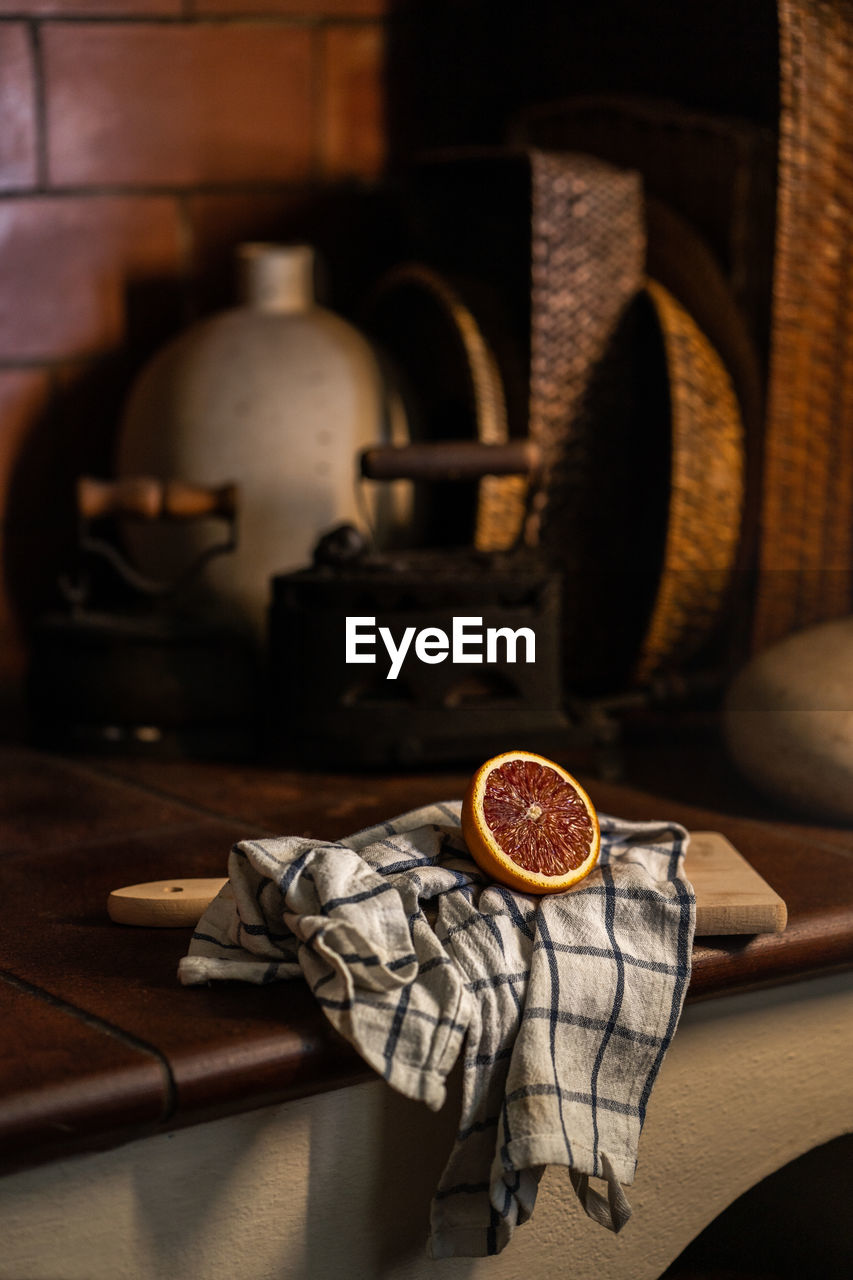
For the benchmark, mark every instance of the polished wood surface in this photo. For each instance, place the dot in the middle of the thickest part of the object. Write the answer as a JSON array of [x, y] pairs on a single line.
[[101, 1042]]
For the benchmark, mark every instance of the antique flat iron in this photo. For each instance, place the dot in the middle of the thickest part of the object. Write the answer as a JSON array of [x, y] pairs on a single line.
[[417, 656], [126, 666]]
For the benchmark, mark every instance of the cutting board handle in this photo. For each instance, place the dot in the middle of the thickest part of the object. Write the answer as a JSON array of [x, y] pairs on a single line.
[[164, 903]]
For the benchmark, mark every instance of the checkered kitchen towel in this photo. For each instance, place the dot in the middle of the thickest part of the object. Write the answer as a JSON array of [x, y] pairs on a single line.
[[563, 1006]]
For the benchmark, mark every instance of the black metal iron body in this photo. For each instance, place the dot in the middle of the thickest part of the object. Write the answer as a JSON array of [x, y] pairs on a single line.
[[326, 711]]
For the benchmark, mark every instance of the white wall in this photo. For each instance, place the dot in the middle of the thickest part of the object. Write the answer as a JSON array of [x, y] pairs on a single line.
[[337, 1186]]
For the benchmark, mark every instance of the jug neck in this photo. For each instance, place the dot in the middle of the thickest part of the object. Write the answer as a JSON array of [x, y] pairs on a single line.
[[276, 278]]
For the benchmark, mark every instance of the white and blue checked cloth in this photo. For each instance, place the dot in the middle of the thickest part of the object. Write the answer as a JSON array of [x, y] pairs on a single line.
[[563, 1006]]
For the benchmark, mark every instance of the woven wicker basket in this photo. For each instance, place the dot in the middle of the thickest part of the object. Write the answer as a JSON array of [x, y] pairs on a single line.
[[639, 497], [586, 400], [422, 317], [706, 491], [806, 552]]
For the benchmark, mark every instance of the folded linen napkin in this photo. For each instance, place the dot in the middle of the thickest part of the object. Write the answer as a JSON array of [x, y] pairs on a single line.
[[565, 1004]]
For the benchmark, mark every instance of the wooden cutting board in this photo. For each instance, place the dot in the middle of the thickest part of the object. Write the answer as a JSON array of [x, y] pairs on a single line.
[[731, 897]]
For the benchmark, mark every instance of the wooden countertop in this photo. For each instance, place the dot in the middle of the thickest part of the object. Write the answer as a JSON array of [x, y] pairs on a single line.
[[101, 1044]]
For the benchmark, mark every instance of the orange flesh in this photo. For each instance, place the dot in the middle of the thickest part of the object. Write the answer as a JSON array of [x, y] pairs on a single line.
[[537, 819]]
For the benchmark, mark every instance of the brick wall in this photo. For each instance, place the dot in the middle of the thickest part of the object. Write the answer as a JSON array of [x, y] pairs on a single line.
[[140, 140]]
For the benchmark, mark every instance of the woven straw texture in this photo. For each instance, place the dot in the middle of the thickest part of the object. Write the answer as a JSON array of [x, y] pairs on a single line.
[[806, 552], [716, 172], [587, 260], [706, 490]]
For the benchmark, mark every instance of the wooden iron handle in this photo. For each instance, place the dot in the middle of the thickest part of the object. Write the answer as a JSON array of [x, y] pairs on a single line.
[[449, 460], [148, 498]]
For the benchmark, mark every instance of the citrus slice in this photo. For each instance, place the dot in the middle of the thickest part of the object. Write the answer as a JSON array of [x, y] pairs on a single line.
[[529, 824]]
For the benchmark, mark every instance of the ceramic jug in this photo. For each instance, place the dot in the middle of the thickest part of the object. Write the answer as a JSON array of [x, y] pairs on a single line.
[[278, 396]]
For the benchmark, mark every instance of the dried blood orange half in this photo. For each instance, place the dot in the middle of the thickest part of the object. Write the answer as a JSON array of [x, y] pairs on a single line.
[[529, 824]]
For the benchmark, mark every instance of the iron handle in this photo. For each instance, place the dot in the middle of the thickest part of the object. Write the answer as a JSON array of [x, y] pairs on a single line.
[[148, 498], [450, 460]]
